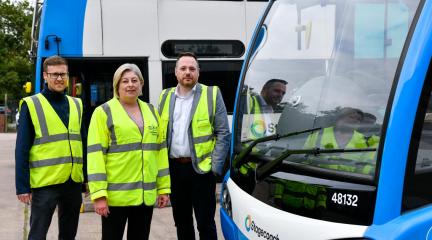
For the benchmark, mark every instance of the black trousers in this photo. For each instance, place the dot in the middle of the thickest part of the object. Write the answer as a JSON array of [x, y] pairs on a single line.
[[67, 196], [195, 192], [138, 219]]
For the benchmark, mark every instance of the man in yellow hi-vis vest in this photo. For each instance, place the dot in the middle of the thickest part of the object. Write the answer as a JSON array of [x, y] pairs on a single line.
[[195, 122], [49, 154]]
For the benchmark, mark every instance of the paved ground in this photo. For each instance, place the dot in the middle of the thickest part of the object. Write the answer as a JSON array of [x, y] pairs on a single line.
[[14, 215]]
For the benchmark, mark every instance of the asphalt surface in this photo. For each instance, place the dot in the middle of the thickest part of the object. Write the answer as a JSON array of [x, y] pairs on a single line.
[[14, 215]]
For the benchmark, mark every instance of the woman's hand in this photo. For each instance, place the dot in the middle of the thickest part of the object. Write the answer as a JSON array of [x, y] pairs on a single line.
[[101, 206], [162, 200]]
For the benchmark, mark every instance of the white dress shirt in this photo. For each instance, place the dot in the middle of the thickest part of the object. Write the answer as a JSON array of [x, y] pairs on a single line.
[[181, 121]]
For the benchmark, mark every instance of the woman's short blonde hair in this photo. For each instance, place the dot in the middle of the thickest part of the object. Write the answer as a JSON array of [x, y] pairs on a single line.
[[119, 73]]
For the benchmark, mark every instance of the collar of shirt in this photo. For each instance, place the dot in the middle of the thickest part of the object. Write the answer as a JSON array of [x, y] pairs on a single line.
[[188, 95]]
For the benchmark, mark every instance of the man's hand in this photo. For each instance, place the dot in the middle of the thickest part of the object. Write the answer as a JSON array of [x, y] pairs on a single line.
[[25, 198], [101, 206], [85, 189], [162, 200]]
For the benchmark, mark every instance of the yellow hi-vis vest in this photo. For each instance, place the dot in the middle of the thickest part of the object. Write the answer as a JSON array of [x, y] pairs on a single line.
[[126, 166], [202, 125], [359, 162], [56, 153]]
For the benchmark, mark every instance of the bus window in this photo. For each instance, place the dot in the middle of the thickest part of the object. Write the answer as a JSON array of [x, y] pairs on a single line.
[[373, 40], [204, 48], [417, 191]]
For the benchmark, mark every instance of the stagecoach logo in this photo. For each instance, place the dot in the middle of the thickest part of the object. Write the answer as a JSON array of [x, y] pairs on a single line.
[[153, 130], [248, 223], [258, 128], [261, 233]]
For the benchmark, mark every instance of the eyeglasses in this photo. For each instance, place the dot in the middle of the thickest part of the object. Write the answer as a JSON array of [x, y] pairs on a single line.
[[55, 75]]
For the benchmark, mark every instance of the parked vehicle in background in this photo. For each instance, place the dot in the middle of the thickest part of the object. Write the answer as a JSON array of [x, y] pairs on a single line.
[[5, 110]]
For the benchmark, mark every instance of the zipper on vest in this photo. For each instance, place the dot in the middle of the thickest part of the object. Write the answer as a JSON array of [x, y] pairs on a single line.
[[71, 154], [142, 164], [142, 152], [70, 148]]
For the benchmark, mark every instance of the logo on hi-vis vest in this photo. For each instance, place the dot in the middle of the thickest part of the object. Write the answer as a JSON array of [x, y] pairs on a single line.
[[153, 130], [261, 233]]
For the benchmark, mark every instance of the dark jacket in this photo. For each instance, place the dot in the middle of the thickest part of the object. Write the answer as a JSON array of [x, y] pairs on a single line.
[[26, 136]]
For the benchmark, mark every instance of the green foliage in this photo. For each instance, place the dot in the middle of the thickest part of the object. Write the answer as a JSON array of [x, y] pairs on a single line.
[[15, 66]]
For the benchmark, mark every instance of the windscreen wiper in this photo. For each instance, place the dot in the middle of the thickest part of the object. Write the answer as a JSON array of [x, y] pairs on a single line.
[[267, 168], [241, 157]]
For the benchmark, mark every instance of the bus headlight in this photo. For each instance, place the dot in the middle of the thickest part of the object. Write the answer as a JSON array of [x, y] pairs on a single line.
[[226, 200]]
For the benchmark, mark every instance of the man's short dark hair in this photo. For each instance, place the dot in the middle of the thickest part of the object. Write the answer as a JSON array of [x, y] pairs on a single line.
[[270, 82], [53, 61], [187, 54]]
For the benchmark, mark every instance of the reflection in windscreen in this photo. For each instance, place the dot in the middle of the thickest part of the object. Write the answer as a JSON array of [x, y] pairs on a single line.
[[326, 65]]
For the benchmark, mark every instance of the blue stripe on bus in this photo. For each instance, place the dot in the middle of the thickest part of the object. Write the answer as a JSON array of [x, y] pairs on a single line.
[[64, 19], [401, 121], [229, 228], [411, 225]]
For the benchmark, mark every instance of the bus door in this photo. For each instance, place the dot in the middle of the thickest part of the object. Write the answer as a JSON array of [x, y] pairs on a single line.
[[91, 79]]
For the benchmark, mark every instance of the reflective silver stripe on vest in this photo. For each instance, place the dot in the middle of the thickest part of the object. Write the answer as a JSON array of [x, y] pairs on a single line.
[[78, 160], [97, 177], [41, 115], [153, 146], [78, 108], [110, 122], [131, 186], [50, 162], [124, 147], [210, 103], [163, 145], [202, 158], [96, 148], [163, 172], [46, 138], [135, 146], [203, 139], [56, 138], [164, 98], [152, 110]]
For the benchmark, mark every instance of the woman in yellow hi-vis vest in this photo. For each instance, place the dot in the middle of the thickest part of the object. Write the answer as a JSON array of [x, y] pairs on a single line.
[[127, 159]]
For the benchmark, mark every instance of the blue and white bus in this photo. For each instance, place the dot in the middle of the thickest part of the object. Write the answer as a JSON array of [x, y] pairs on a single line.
[[97, 36], [340, 145]]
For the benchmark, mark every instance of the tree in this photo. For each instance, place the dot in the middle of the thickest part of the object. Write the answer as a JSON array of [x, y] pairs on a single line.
[[15, 65]]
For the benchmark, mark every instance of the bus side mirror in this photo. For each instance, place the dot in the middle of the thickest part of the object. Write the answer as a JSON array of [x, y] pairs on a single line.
[[27, 87], [78, 89]]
